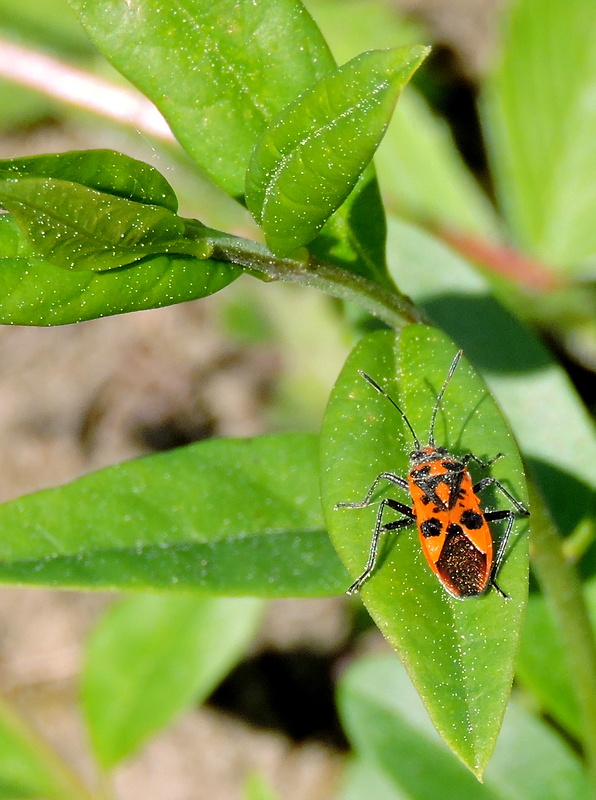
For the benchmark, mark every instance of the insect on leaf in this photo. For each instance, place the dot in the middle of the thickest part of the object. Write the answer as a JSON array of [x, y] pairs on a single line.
[[459, 653]]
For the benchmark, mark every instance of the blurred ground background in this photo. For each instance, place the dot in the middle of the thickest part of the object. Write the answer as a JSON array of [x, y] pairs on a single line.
[[77, 398]]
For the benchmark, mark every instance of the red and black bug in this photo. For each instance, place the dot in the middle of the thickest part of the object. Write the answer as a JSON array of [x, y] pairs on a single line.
[[453, 528]]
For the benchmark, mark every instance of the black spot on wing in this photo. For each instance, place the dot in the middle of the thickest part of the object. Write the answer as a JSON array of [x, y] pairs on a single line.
[[431, 527], [454, 530], [472, 520]]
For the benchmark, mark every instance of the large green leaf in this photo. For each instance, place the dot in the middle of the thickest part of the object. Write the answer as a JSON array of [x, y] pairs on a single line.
[[459, 653], [310, 157], [217, 71], [550, 421], [151, 656], [541, 126], [231, 517], [389, 728]]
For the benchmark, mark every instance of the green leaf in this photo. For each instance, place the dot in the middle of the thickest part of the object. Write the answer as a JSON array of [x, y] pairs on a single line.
[[541, 127], [95, 210], [225, 516], [75, 227], [151, 657], [388, 727], [35, 292], [13, 244], [104, 170], [218, 72], [542, 667], [310, 157], [531, 760], [28, 768], [459, 653]]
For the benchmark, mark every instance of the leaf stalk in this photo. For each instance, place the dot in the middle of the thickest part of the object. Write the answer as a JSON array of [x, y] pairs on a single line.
[[395, 309]]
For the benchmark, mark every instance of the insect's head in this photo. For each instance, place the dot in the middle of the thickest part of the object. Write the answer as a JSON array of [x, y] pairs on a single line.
[[430, 452]]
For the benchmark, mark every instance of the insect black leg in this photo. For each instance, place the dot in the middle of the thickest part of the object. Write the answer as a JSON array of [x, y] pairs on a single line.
[[384, 476], [492, 516], [380, 528], [488, 481], [484, 464]]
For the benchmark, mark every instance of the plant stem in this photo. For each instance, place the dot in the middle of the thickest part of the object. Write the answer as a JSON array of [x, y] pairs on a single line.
[[54, 77], [563, 591], [394, 308]]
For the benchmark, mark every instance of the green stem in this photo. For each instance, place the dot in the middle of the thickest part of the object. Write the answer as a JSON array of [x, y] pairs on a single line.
[[396, 309], [563, 591]]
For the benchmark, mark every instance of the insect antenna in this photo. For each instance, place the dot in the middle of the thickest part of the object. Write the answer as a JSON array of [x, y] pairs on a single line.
[[382, 391], [452, 368]]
